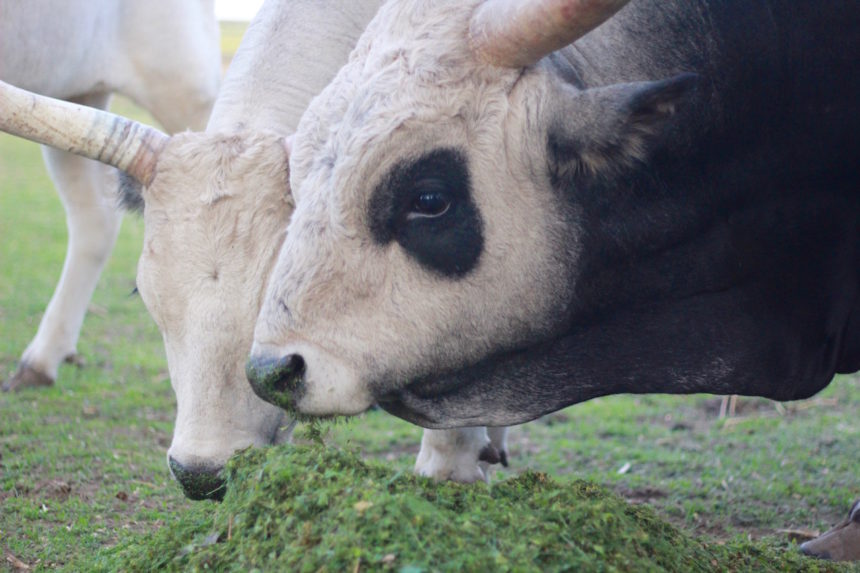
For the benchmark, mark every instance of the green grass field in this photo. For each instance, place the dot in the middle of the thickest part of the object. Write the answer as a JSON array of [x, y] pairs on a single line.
[[82, 464]]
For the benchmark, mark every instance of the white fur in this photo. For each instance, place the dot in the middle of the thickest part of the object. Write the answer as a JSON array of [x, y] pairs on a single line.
[[205, 258], [453, 454]]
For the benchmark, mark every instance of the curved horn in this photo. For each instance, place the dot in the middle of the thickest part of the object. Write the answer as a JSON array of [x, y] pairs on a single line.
[[111, 139], [518, 33]]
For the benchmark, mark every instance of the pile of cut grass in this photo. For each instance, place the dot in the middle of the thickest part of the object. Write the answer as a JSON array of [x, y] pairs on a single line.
[[311, 508]]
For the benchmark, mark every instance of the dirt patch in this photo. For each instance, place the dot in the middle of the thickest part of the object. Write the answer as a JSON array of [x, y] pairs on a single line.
[[641, 494], [57, 490]]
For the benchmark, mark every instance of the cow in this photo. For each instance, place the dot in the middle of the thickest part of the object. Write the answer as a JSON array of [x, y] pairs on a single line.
[[215, 206], [505, 207], [842, 542], [163, 55]]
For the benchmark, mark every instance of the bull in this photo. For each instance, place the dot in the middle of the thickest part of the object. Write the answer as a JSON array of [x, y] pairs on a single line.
[[163, 55], [499, 214], [215, 205]]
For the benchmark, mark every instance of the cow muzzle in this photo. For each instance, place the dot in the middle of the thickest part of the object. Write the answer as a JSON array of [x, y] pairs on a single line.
[[307, 380], [198, 482], [277, 380]]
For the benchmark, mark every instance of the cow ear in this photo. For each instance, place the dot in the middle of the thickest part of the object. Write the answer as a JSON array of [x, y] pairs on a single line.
[[602, 131], [130, 193]]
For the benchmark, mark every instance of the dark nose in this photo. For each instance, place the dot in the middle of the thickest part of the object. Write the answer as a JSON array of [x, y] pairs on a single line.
[[277, 380], [808, 550], [198, 482]]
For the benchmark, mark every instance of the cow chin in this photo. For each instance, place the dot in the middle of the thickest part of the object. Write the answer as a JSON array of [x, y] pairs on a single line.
[[469, 405], [504, 389]]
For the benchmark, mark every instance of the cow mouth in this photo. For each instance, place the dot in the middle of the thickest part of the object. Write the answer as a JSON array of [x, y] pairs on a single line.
[[504, 389]]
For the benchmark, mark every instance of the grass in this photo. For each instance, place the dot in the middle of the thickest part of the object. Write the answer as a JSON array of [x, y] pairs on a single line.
[[231, 36], [82, 465], [83, 460], [311, 508]]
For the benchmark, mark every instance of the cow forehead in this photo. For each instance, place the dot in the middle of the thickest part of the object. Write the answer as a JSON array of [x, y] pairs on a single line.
[[219, 201], [412, 70], [202, 168]]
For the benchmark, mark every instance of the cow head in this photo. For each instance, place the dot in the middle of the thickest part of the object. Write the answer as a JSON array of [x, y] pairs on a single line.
[[210, 240], [431, 247], [215, 209], [841, 543]]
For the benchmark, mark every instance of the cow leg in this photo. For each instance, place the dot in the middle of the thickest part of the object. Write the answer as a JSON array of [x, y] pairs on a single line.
[[842, 543], [459, 455], [499, 440], [178, 100], [88, 193], [177, 115]]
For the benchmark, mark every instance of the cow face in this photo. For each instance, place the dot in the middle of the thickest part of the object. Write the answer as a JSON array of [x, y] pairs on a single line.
[[841, 543], [430, 236], [214, 219]]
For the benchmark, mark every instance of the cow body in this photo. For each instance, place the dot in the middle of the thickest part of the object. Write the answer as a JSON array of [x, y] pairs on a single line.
[[163, 55], [669, 205]]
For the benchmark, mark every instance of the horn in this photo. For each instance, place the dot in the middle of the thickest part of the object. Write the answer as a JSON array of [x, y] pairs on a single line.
[[111, 139], [518, 33]]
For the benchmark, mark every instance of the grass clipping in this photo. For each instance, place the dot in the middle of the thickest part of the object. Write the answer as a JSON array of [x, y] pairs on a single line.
[[311, 508]]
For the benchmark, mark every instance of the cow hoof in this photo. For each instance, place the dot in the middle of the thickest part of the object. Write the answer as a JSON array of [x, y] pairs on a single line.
[[75, 360], [842, 543], [490, 455], [27, 377]]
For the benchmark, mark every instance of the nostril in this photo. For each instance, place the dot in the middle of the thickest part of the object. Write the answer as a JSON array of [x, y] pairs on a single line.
[[198, 482], [276, 380], [294, 368]]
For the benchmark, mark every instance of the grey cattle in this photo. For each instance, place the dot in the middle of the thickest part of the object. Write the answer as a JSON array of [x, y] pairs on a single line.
[[165, 55], [492, 224]]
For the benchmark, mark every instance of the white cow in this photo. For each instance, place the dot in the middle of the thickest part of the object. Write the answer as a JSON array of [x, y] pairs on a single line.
[[165, 55], [216, 206]]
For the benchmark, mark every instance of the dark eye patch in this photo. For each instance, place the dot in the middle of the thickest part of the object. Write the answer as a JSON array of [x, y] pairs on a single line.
[[426, 206]]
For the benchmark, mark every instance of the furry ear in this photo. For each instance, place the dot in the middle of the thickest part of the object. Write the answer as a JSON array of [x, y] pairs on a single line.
[[130, 193], [601, 131]]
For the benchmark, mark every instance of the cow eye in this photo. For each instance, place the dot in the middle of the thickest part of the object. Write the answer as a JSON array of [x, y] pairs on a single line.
[[430, 202], [426, 206]]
